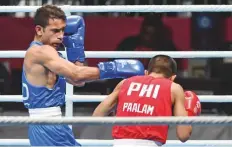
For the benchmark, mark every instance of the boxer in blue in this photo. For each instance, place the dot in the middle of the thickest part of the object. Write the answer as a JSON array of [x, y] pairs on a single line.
[[45, 72]]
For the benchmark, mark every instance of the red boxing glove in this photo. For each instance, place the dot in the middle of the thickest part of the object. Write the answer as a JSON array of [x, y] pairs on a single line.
[[192, 104]]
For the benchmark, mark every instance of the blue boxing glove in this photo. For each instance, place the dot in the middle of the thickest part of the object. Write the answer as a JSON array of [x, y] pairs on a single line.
[[121, 68], [74, 35]]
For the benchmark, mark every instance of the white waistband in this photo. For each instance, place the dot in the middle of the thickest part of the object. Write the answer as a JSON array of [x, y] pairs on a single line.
[[45, 112], [131, 142]]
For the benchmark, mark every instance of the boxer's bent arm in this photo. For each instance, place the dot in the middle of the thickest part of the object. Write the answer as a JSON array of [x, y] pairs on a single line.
[[48, 57], [183, 131], [108, 103]]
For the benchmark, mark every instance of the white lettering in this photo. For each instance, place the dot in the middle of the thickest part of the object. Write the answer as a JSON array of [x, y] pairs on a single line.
[[26, 94], [25, 87], [135, 107], [138, 110], [144, 109], [129, 108], [133, 87], [124, 106], [150, 109], [156, 91], [146, 89]]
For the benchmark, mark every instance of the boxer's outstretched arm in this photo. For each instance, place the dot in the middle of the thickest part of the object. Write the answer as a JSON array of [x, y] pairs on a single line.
[[183, 131], [76, 83], [109, 103], [48, 57]]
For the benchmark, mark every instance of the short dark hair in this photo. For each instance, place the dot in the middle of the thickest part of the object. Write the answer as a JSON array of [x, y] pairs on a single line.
[[46, 12], [162, 64]]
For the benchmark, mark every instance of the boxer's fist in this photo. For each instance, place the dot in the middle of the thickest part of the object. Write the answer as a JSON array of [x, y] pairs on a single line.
[[192, 104], [121, 68], [73, 40]]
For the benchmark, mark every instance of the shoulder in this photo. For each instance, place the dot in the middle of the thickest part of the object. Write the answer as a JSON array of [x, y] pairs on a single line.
[[45, 49], [176, 87], [119, 85], [136, 77], [177, 91], [40, 52], [33, 60]]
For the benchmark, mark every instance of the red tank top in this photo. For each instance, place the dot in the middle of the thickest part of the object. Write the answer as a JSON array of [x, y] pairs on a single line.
[[144, 96]]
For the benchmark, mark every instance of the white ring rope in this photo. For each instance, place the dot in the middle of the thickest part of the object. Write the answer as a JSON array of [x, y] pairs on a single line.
[[133, 54], [99, 98], [101, 54], [127, 8], [95, 142], [174, 120]]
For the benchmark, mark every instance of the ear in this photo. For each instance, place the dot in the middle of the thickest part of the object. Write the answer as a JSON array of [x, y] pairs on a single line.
[[173, 77], [146, 72], [39, 30]]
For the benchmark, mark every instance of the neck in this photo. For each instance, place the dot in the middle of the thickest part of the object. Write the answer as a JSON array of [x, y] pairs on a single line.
[[156, 75], [36, 38]]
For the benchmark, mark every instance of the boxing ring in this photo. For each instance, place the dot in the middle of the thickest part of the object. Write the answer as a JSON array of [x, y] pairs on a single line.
[[71, 98]]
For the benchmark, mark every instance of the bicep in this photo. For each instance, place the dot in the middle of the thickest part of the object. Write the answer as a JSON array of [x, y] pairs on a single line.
[[179, 99], [48, 57], [60, 66]]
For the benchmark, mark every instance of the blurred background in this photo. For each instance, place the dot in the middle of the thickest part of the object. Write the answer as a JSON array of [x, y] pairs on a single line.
[[130, 32]]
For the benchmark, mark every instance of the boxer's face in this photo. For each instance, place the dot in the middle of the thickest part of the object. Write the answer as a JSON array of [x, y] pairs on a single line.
[[53, 33]]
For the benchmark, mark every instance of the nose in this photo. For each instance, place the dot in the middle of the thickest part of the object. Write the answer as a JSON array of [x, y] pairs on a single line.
[[60, 35]]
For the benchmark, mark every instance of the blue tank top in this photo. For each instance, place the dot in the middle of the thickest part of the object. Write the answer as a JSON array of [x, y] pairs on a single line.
[[40, 96]]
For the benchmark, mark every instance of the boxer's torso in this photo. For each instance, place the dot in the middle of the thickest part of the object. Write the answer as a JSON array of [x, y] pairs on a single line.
[[144, 96], [41, 88]]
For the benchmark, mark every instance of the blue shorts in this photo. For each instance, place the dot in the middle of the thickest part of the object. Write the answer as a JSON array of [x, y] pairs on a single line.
[[51, 135]]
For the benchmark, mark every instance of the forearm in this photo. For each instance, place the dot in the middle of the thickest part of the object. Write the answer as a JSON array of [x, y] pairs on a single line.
[[99, 111], [104, 107], [83, 74], [105, 70], [184, 132], [75, 83]]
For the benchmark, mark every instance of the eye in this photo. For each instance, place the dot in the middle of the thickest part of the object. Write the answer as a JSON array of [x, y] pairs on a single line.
[[55, 30]]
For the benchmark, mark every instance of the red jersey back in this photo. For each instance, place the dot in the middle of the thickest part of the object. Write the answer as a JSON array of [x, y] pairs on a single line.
[[144, 96]]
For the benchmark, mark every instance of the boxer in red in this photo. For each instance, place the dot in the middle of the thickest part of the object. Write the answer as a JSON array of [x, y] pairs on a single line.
[[151, 95]]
